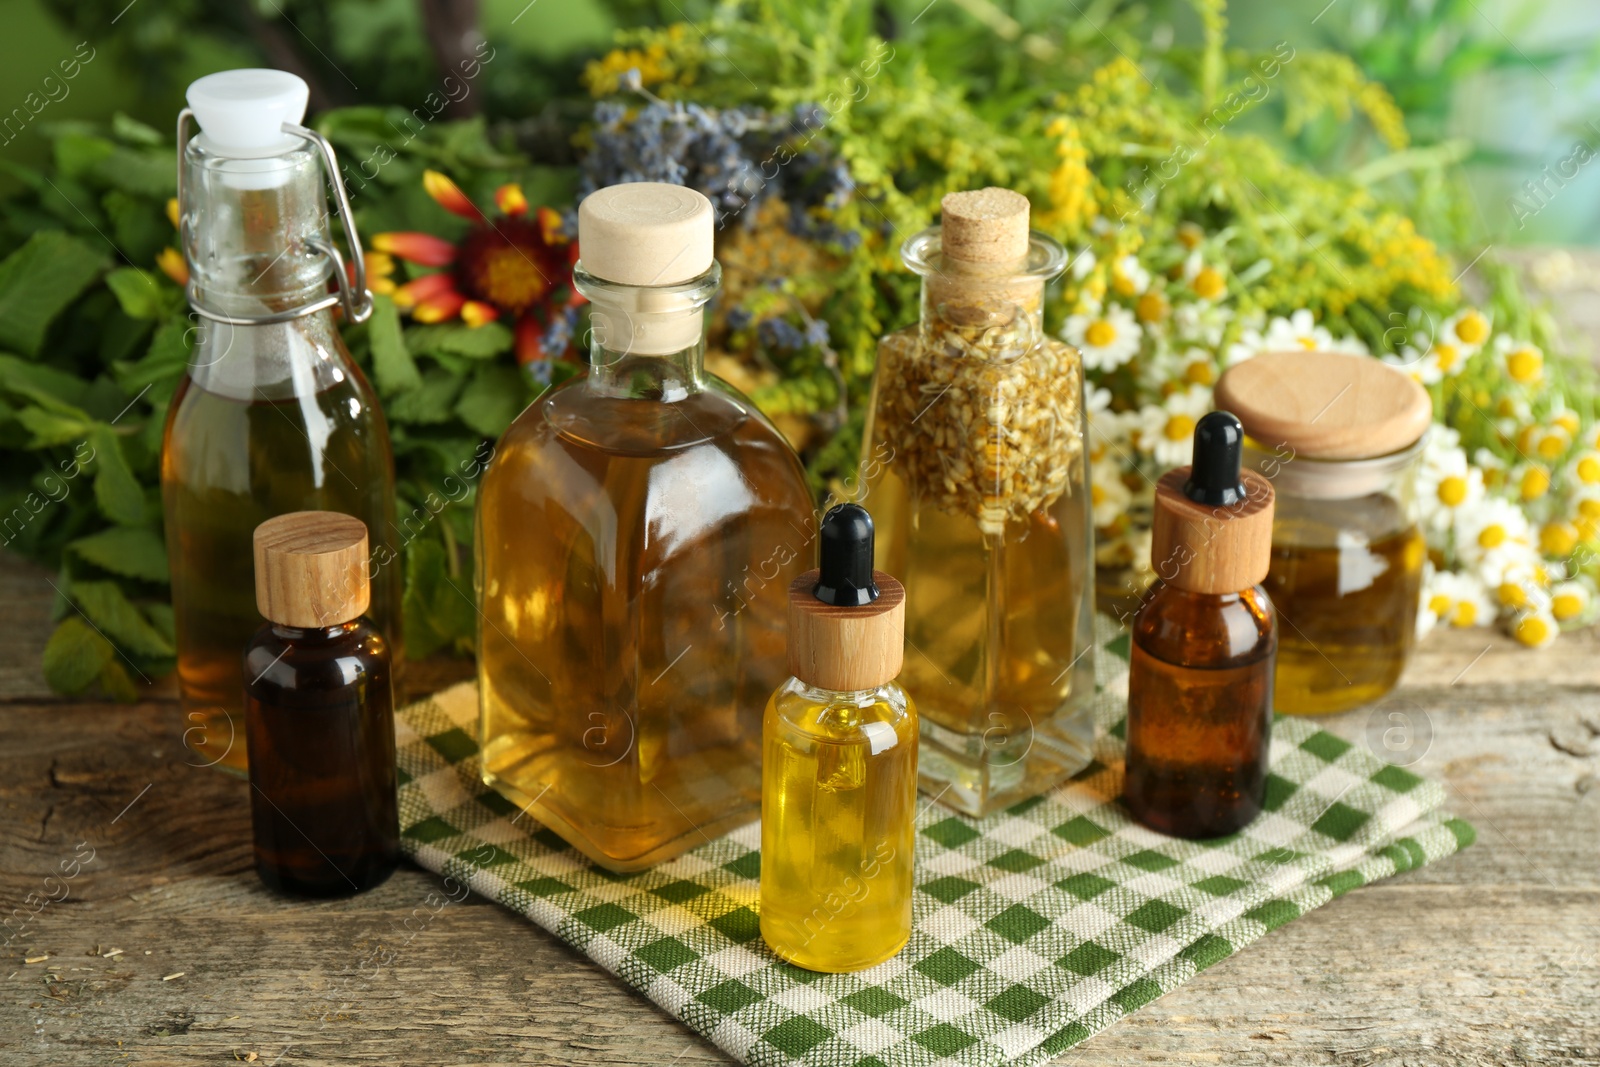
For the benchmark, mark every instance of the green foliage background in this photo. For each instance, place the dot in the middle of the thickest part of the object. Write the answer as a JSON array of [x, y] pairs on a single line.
[[95, 338]]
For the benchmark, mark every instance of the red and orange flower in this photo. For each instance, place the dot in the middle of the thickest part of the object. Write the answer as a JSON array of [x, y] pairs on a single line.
[[509, 266]]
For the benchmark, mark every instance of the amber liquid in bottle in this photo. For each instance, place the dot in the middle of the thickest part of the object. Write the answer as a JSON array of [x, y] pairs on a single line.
[[995, 621], [637, 535], [1346, 578], [320, 719], [228, 464], [270, 418], [838, 827], [1199, 710]]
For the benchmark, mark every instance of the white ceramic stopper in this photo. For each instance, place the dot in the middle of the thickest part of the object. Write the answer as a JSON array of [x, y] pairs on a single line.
[[241, 112]]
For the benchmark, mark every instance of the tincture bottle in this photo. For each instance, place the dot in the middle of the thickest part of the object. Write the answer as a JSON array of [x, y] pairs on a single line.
[[976, 467], [319, 712], [839, 765], [637, 531], [1200, 678], [272, 415]]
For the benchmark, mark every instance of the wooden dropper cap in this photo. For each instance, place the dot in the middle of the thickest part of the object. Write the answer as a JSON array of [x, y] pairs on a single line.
[[311, 569], [1212, 530], [846, 621]]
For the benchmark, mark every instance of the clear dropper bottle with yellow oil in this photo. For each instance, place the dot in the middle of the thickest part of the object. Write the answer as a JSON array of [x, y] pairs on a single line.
[[839, 765]]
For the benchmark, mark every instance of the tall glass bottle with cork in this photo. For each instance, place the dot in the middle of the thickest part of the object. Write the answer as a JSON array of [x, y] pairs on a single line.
[[638, 530], [272, 416], [976, 470]]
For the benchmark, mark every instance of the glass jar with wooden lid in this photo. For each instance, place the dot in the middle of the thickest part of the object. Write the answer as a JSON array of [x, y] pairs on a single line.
[[1340, 436]]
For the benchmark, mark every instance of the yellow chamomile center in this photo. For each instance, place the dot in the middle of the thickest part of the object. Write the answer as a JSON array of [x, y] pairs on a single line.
[[1532, 630], [1452, 491], [1208, 284], [1535, 483], [1558, 538], [1100, 333], [1492, 536], [1552, 445], [1152, 307], [1178, 428], [1440, 604], [1512, 595], [1466, 614], [1525, 365], [1472, 328], [1589, 470], [1566, 606], [1447, 356]]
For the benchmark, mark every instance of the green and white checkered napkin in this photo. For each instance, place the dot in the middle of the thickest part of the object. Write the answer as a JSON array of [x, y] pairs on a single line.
[[1034, 928]]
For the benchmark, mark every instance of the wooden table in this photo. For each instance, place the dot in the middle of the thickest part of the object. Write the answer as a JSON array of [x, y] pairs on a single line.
[[1490, 957]]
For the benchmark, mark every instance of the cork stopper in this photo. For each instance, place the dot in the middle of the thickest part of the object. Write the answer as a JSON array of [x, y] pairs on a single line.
[[646, 233], [1212, 529], [311, 569], [846, 620], [1326, 405], [985, 226]]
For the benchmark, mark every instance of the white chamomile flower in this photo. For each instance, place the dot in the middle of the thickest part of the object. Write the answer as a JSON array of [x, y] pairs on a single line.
[[1249, 345], [1166, 430], [1528, 482], [1493, 536], [1427, 617], [1460, 599], [1108, 493], [1299, 330], [1107, 339], [1206, 282], [1584, 469], [1128, 277], [1440, 361], [1523, 360], [1496, 472], [1096, 398], [1081, 265], [1570, 601], [1111, 434], [1522, 587], [1349, 343], [1535, 629], [1200, 322], [1447, 485], [1466, 330]]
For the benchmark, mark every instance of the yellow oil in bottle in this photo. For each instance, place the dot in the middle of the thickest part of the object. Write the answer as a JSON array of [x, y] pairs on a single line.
[[1346, 578], [634, 557], [228, 464], [993, 638], [837, 829]]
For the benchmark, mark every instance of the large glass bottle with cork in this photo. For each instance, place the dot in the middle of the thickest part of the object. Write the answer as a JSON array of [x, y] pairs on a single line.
[[272, 415], [638, 530], [976, 470]]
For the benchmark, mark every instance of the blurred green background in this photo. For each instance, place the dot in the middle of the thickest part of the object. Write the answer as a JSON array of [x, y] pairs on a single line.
[[1498, 89]]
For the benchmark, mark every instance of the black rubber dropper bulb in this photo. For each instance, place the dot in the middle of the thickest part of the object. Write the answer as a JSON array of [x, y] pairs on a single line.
[[1218, 445], [845, 558]]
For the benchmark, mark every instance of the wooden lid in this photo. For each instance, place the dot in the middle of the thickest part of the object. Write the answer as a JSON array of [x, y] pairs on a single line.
[[984, 226], [311, 568], [1211, 548], [846, 648], [1326, 405]]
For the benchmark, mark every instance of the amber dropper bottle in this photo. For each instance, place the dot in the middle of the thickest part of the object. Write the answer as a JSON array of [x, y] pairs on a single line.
[[319, 712], [839, 765], [1204, 642]]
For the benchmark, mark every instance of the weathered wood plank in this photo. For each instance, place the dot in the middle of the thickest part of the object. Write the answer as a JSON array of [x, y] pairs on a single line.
[[1479, 959]]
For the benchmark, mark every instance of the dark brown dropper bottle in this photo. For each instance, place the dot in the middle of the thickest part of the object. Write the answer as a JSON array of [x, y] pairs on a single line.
[[319, 712], [1200, 678]]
